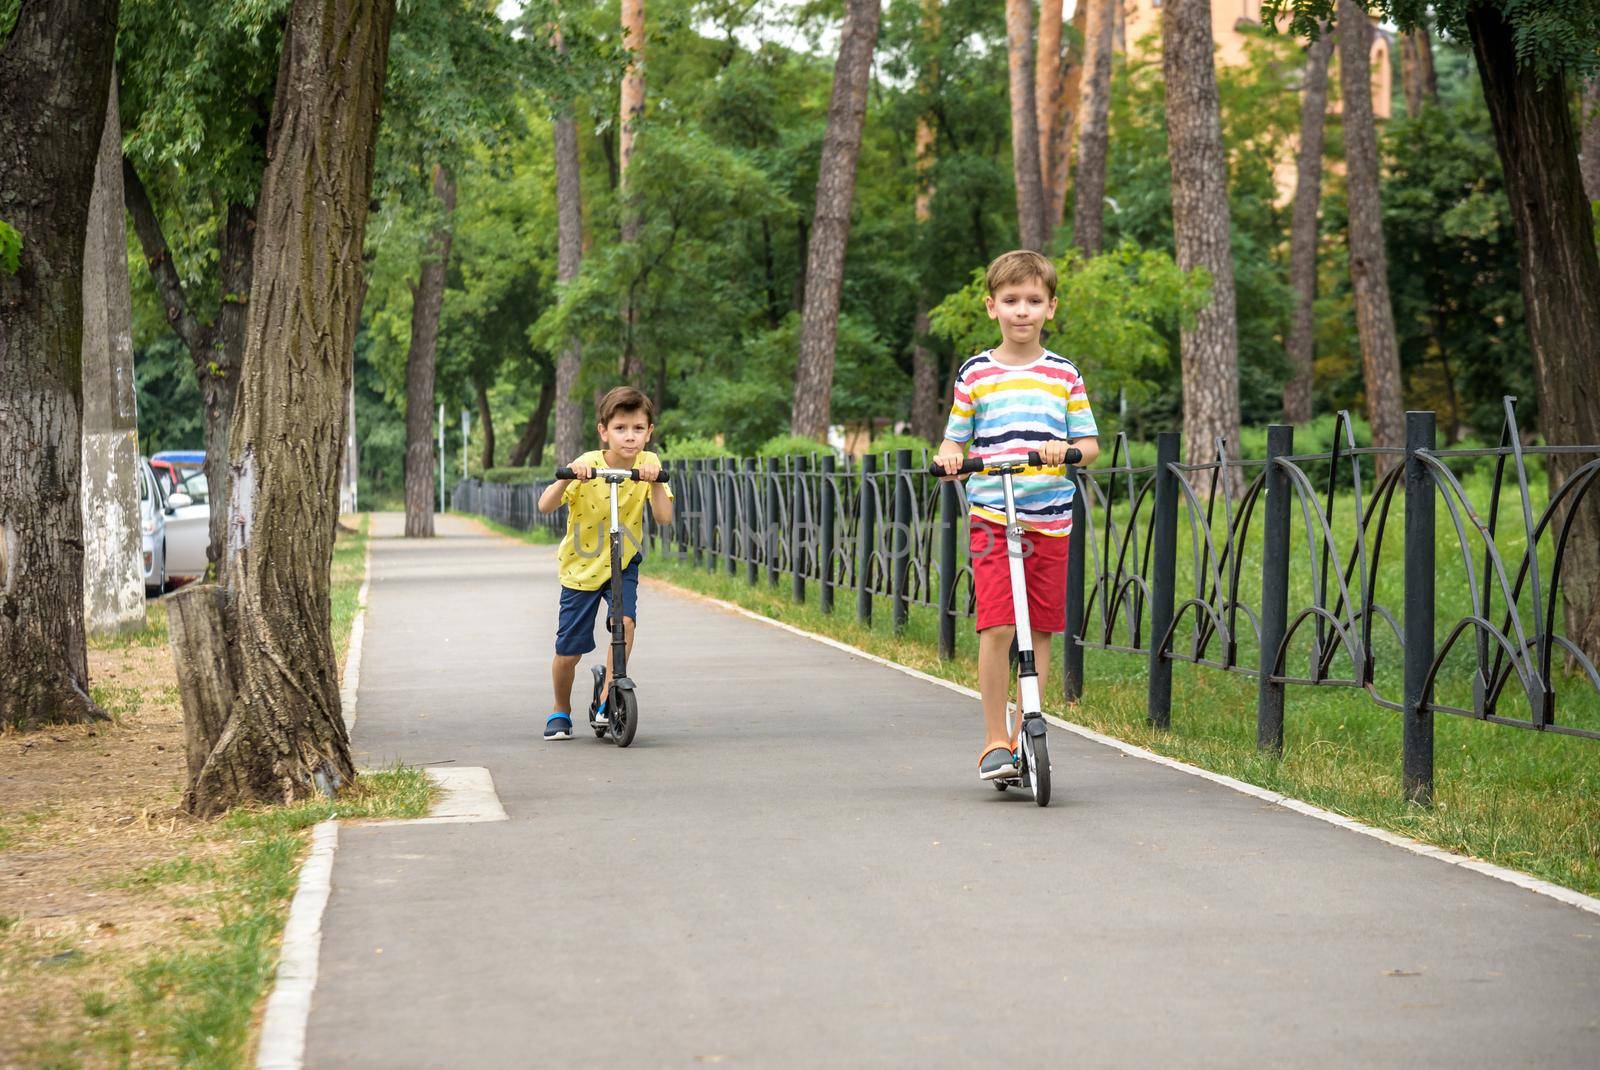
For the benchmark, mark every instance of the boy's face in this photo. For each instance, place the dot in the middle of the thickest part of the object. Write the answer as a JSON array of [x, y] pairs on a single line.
[[1022, 308], [626, 433]]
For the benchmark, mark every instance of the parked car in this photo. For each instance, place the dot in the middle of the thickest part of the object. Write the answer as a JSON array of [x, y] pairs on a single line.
[[152, 530], [188, 525], [174, 465]]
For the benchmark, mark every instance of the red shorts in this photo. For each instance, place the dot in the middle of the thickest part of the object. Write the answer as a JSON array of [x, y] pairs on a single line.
[[1044, 567]]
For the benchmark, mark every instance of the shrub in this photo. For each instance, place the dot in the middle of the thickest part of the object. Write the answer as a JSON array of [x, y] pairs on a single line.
[[693, 449], [890, 441], [519, 475], [792, 446]]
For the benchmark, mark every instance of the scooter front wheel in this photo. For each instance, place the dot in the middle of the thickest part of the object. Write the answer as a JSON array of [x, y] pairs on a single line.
[[624, 716], [1038, 768]]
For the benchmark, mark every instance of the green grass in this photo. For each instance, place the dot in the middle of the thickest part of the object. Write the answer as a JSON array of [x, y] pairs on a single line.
[[153, 633], [194, 1005], [535, 536]]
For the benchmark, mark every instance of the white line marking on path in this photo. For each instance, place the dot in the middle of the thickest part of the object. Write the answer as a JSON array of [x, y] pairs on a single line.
[[1488, 869]]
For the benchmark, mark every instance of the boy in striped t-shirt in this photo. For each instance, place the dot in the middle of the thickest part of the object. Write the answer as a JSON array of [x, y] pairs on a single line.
[[1014, 398]]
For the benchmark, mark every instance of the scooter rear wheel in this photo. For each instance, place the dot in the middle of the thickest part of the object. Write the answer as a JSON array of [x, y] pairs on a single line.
[[624, 716], [1038, 768]]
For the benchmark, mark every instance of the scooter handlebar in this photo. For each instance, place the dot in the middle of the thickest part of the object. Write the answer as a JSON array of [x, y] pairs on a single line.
[[633, 473], [973, 464]]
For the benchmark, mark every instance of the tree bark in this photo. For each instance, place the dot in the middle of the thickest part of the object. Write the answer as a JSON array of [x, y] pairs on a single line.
[[1303, 231], [56, 70], [480, 390], [530, 447], [1032, 233], [1560, 285], [1590, 145], [215, 349], [283, 737], [1119, 27], [1047, 90], [1200, 226], [569, 261], [1417, 74], [830, 231], [1064, 129], [113, 583], [1369, 261], [1088, 214], [427, 300], [631, 365], [925, 415]]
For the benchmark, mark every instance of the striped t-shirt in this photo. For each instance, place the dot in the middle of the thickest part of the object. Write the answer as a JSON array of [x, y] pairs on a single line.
[[1009, 409]]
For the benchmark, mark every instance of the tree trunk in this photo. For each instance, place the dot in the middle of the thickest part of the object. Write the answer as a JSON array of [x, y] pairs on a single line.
[[216, 349], [1032, 232], [1200, 227], [1416, 69], [1119, 27], [1047, 89], [1590, 146], [113, 583], [1303, 231], [925, 415], [427, 300], [569, 261], [1560, 285], [1369, 262], [631, 365], [283, 737], [50, 127], [485, 419], [1063, 130], [1088, 214], [530, 447], [830, 230]]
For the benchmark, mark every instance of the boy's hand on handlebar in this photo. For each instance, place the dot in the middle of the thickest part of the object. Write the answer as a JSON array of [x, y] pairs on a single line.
[[648, 472], [1053, 453], [951, 462], [581, 471]]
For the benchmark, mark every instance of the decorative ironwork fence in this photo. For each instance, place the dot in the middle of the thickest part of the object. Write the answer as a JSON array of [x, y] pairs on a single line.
[[882, 530]]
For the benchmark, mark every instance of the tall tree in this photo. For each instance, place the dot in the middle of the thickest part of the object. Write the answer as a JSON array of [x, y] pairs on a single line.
[[1032, 227], [631, 366], [275, 732], [569, 262], [1589, 147], [55, 66], [427, 299], [1063, 129], [113, 585], [1369, 260], [926, 418], [1417, 74], [1088, 214], [830, 227], [1209, 347], [1048, 90], [1303, 230]]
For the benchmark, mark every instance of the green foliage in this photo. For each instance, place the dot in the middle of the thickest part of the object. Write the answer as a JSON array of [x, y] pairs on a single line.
[[171, 411], [10, 248], [694, 449], [890, 441], [518, 475], [1110, 316], [791, 446]]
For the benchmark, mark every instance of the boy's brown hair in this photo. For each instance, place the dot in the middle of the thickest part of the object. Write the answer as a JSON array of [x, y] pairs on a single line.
[[624, 399], [1021, 265]]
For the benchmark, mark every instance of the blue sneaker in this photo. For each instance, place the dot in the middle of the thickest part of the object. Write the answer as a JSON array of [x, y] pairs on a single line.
[[996, 764], [559, 726]]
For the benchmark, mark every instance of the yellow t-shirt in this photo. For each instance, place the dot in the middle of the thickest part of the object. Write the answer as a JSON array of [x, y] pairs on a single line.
[[584, 557]]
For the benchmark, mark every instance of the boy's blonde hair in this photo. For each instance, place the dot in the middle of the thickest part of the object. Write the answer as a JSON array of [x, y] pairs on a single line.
[[1021, 265], [624, 399]]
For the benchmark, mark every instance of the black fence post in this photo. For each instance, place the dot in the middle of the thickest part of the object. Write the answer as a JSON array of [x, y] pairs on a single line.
[[799, 529], [1071, 643], [703, 554], [752, 527], [731, 534], [949, 526], [1164, 552], [826, 505], [866, 533], [774, 466], [1417, 777], [901, 540], [1274, 589]]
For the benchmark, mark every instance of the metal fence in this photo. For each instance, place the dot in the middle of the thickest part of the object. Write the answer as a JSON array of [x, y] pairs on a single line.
[[1245, 593]]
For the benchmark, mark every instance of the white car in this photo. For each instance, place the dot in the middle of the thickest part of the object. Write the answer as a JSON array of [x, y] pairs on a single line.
[[152, 531], [188, 526]]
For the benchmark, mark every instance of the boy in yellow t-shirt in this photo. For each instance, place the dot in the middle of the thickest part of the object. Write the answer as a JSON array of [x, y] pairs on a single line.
[[626, 422]]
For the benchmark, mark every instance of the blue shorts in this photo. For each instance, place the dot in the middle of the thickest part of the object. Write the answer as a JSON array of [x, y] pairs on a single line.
[[575, 627]]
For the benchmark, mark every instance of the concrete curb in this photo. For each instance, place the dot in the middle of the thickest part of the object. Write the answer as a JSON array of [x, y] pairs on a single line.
[[350, 679], [1488, 869]]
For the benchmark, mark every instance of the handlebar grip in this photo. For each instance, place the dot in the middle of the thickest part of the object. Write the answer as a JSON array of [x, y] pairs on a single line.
[[1074, 455], [969, 466], [664, 477], [565, 473], [1034, 460]]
